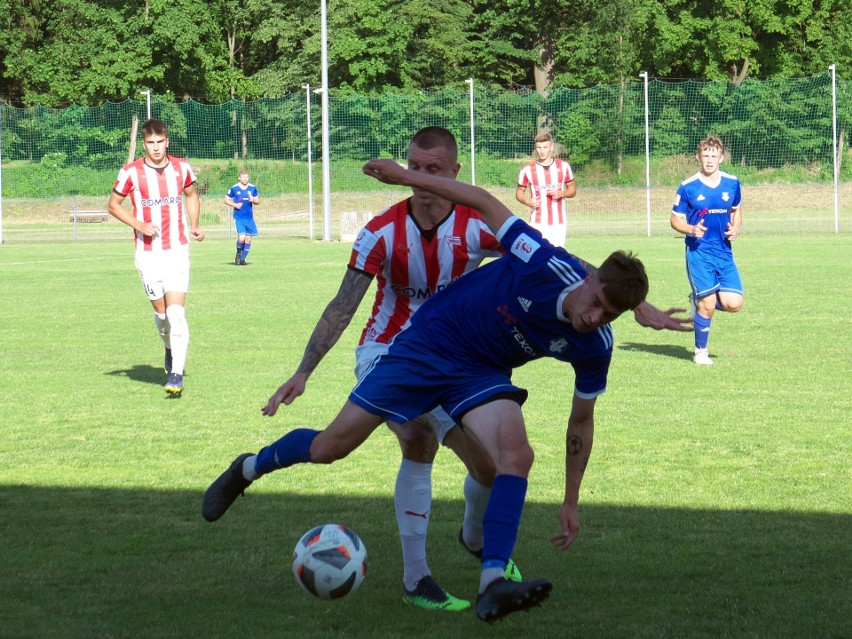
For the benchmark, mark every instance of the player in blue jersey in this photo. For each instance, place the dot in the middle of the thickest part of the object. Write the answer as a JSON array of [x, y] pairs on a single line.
[[242, 197], [708, 211], [459, 352]]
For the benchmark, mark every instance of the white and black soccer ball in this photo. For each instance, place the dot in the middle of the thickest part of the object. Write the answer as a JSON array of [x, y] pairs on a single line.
[[330, 561]]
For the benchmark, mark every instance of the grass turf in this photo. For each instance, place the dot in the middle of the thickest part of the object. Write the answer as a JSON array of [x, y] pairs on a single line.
[[717, 501]]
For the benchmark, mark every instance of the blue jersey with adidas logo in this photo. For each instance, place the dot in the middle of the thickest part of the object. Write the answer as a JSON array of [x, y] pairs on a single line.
[[699, 202], [509, 312]]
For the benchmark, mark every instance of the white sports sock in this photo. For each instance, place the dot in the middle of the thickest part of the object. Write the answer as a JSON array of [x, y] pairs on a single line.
[[487, 576], [413, 502], [179, 336], [248, 468], [475, 502], [162, 323]]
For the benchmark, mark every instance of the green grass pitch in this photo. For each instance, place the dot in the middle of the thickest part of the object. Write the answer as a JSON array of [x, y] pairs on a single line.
[[717, 503]]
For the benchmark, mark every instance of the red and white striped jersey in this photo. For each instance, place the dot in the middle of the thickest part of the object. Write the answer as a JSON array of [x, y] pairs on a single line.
[[544, 179], [410, 266], [157, 196]]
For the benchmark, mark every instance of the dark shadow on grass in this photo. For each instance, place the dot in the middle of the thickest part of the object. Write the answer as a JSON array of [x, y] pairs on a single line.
[[666, 350], [83, 562], [142, 373]]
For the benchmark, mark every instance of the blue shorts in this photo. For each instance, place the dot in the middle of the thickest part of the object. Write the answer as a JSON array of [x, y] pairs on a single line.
[[245, 226], [412, 378], [710, 273]]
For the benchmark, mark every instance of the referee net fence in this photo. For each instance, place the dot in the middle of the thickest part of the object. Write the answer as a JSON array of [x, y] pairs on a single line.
[[628, 154]]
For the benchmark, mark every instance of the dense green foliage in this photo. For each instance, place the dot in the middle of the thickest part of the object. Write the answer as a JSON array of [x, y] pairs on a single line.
[[59, 52], [766, 125]]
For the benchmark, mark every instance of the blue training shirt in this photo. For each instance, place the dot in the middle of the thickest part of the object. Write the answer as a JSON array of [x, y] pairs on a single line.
[[696, 201], [239, 194], [509, 312]]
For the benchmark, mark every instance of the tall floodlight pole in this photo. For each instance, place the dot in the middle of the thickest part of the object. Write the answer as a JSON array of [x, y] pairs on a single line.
[[472, 135], [644, 76], [147, 94], [307, 88], [1, 172], [326, 168], [834, 149]]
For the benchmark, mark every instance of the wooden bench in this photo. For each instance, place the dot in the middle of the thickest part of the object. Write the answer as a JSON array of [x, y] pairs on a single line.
[[88, 217]]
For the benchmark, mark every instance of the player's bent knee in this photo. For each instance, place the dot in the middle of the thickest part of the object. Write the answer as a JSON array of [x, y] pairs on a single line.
[[326, 449], [517, 461]]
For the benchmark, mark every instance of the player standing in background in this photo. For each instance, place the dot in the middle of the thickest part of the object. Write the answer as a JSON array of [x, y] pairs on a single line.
[[458, 352], [157, 184], [242, 197], [550, 182], [708, 211], [413, 249]]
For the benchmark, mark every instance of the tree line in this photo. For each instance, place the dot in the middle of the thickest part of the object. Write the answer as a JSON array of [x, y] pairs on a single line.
[[60, 52]]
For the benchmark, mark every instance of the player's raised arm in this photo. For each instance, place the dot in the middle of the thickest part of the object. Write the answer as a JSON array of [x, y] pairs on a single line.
[[493, 211]]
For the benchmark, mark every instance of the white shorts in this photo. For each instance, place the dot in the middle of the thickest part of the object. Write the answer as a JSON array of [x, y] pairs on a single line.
[[553, 233], [164, 271], [367, 353]]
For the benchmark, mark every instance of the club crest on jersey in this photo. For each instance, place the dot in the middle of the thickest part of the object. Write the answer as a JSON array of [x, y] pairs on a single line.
[[558, 345], [725, 196], [453, 240], [524, 247]]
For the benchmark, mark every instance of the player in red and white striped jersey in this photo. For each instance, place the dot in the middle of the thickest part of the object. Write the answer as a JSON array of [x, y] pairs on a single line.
[[413, 249], [550, 181], [157, 184]]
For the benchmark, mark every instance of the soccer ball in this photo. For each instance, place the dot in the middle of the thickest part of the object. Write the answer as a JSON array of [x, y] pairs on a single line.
[[330, 561]]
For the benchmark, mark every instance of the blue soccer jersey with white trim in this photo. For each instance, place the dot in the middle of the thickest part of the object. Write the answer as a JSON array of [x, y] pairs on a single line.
[[698, 202], [241, 194], [509, 312]]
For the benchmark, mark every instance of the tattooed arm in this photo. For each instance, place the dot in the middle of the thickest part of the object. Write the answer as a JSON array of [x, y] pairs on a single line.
[[335, 318], [578, 447]]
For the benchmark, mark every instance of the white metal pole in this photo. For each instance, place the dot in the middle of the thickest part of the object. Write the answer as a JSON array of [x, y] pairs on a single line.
[[326, 168], [644, 76], [1, 172], [307, 88], [834, 149], [472, 136], [147, 94]]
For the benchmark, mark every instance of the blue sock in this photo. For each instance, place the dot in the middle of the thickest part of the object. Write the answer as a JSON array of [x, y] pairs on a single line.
[[245, 252], [502, 519], [293, 448], [702, 330], [240, 247]]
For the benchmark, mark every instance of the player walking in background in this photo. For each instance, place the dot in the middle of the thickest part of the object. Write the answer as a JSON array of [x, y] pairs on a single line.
[[242, 197], [412, 250], [158, 184], [458, 353], [544, 185], [708, 211]]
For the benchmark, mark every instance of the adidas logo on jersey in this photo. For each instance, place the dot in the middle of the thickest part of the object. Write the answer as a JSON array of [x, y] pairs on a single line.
[[699, 198], [525, 303]]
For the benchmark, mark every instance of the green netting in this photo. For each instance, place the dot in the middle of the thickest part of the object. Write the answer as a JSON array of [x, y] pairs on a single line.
[[779, 133]]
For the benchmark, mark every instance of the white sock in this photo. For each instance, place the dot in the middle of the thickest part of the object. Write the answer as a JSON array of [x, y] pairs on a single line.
[[178, 336], [248, 468], [413, 502], [487, 576], [162, 323], [475, 502]]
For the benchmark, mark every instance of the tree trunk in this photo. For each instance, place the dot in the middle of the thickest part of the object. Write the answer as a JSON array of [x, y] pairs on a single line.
[[134, 128]]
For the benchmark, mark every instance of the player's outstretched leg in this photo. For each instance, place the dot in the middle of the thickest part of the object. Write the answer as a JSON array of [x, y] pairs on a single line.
[[225, 490], [429, 595], [503, 597]]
